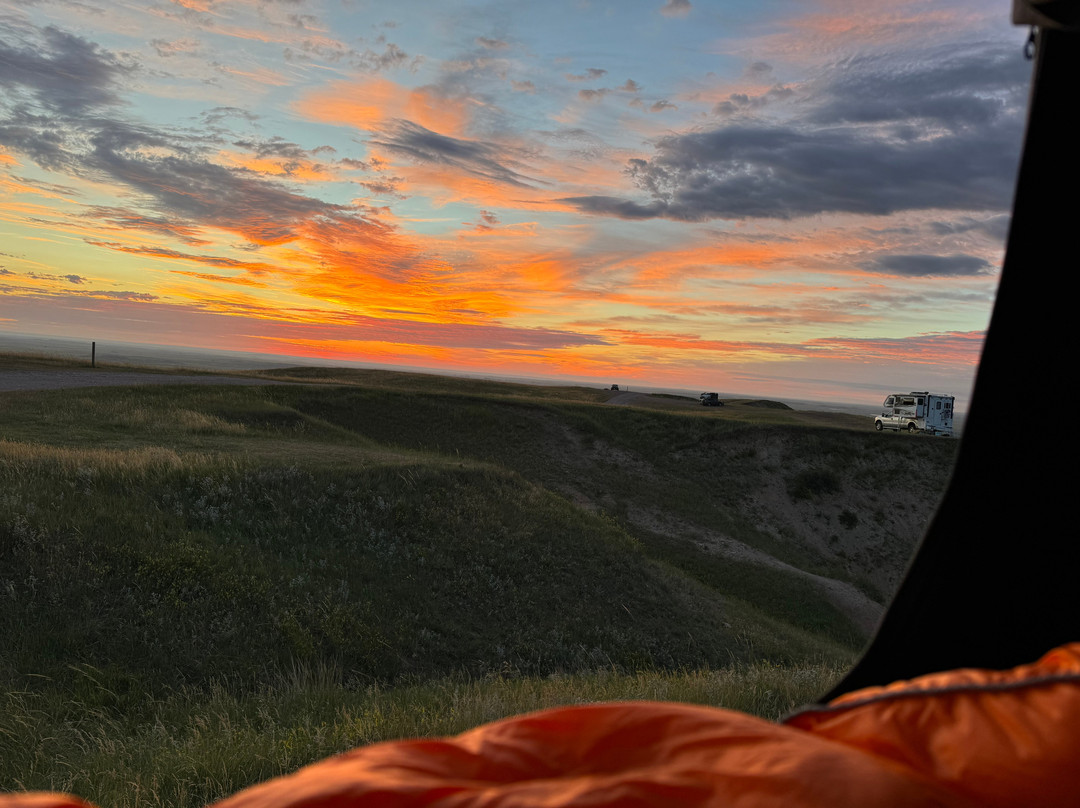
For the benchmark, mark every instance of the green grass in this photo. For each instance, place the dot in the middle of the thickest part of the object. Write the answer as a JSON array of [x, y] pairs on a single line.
[[193, 748], [172, 573], [202, 587]]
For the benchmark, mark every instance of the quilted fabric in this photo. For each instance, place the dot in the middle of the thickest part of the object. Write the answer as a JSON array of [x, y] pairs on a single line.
[[962, 738]]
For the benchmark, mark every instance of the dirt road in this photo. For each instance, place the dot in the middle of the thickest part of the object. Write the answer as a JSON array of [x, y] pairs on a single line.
[[625, 399]]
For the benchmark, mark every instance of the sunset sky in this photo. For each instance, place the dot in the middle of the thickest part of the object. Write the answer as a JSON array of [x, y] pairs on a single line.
[[802, 199]]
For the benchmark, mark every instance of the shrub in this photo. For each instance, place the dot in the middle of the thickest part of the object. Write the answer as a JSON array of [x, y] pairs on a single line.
[[812, 483]]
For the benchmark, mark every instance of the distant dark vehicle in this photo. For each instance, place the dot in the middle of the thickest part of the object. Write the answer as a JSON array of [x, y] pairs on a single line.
[[614, 387], [711, 400]]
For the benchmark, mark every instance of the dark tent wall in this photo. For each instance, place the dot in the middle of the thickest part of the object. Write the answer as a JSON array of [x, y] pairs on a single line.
[[995, 582]]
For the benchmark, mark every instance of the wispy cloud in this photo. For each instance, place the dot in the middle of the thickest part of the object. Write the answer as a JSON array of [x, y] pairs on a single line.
[[811, 188], [63, 73], [676, 8], [482, 159], [930, 265], [861, 149]]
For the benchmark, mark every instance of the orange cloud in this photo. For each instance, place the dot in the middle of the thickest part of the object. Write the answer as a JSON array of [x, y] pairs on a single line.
[[12, 186], [289, 168], [947, 349], [369, 104], [240, 280], [263, 76], [693, 342], [195, 5], [252, 267], [443, 184], [941, 349], [849, 23]]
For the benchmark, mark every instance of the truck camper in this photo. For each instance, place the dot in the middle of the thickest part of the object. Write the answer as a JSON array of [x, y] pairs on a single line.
[[917, 412]]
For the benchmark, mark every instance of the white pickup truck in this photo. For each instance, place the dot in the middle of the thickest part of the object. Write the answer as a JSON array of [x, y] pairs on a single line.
[[917, 412]]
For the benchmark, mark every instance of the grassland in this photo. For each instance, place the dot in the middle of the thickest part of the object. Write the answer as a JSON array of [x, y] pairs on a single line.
[[202, 587]]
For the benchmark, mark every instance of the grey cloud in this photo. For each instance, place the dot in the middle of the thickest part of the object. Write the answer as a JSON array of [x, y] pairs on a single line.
[[839, 158], [474, 157], [219, 114], [613, 206], [164, 252], [580, 143], [930, 265], [997, 227], [976, 86], [76, 279], [492, 44], [37, 137], [387, 186], [45, 276], [64, 73], [392, 56], [350, 162], [263, 211], [291, 153], [758, 68], [367, 60], [168, 48], [57, 114], [304, 22], [592, 95], [49, 187], [471, 66], [183, 186], [523, 86], [140, 297], [777, 172], [123, 219], [591, 74], [742, 102], [676, 8], [661, 105]]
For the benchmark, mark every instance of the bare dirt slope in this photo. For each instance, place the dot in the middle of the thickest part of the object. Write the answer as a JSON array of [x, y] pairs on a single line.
[[850, 506]]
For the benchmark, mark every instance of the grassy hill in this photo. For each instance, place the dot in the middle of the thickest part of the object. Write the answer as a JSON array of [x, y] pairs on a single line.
[[247, 558]]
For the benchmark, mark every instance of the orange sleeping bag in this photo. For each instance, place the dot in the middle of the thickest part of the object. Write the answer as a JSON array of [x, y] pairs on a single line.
[[961, 738]]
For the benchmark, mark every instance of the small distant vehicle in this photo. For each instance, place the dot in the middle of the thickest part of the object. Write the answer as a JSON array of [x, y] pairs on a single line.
[[614, 387], [710, 400], [917, 412]]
